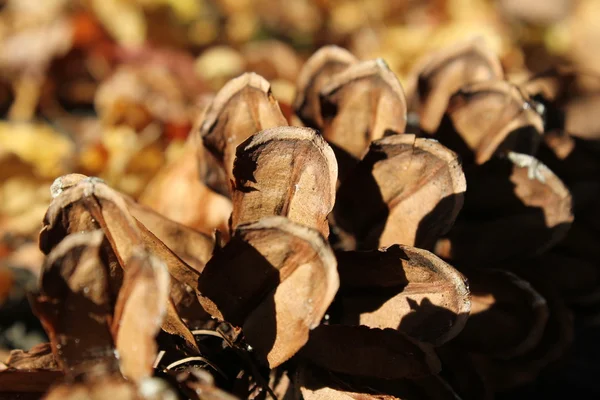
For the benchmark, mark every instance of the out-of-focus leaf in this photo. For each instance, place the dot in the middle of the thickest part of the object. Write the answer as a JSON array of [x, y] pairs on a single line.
[[178, 193], [58, 149], [272, 59], [123, 19], [33, 48]]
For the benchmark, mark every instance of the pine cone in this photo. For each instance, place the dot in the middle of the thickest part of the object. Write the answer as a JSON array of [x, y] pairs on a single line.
[[333, 277]]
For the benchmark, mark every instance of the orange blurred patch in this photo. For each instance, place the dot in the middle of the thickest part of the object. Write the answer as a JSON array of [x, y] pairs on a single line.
[[177, 131], [6, 283], [86, 30]]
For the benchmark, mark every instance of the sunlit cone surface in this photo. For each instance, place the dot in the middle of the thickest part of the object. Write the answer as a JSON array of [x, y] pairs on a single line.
[[343, 259]]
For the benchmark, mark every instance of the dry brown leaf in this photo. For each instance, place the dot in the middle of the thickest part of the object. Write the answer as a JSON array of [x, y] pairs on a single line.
[[287, 171], [490, 117], [38, 357], [403, 288], [139, 312], [242, 107], [74, 303], [508, 316], [178, 193], [406, 190], [440, 74], [383, 353], [146, 89], [516, 207], [360, 104], [316, 74], [281, 278]]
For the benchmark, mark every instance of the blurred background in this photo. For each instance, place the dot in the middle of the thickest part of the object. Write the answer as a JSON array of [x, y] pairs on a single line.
[[112, 88]]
